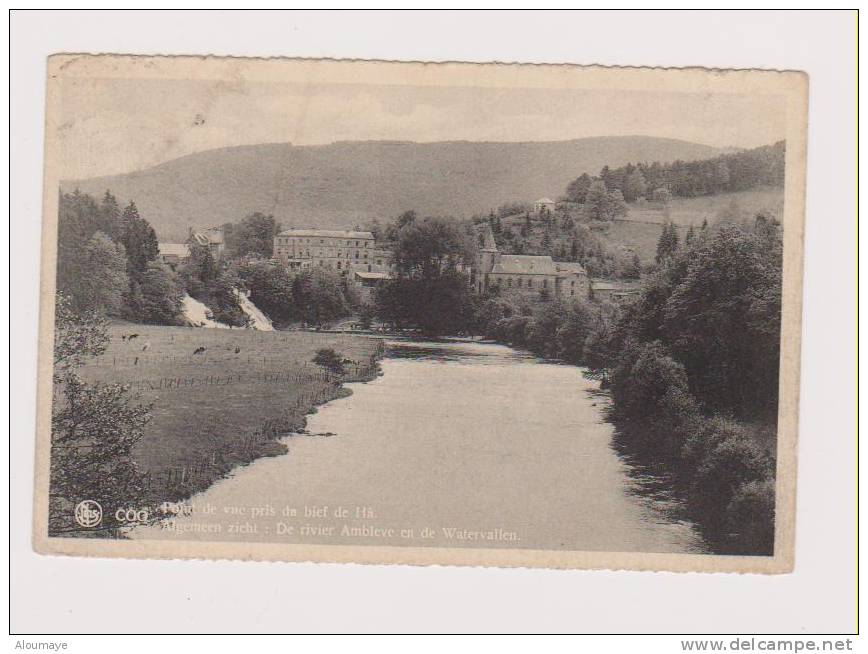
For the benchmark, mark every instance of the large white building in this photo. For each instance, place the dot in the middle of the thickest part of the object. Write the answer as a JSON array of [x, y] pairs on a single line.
[[345, 252]]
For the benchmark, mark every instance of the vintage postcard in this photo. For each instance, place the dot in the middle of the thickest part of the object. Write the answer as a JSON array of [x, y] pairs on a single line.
[[420, 313]]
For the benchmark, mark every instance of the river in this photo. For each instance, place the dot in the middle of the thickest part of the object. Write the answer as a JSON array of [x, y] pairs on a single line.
[[456, 444]]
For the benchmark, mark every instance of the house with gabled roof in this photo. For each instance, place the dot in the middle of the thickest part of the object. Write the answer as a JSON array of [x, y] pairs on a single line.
[[544, 205]]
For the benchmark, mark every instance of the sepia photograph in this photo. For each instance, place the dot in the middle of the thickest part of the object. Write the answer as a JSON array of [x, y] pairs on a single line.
[[455, 322], [446, 313]]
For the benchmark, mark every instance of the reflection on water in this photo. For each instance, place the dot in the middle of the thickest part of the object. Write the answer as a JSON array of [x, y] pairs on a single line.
[[458, 437], [478, 352]]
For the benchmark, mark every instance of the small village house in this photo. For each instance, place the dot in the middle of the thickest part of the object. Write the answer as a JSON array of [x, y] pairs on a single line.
[[613, 291], [172, 254], [544, 205]]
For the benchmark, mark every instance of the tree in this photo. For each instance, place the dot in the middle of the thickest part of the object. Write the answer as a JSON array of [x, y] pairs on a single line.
[[597, 202], [110, 214], [577, 190], [429, 248], [573, 331], [635, 186], [78, 220], [601, 204], [94, 428], [722, 473], [721, 176], [221, 297], [200, 270], [667, 244], [318, 296], [254, 235], [642, 378], [691, 234], [103, 287], [722, 319], [77, 335], [271, 290], [633, 267], [541, 333], [617, 206], [405, 219], [429, 290], [330, 360], [161, 299], [139, 240]]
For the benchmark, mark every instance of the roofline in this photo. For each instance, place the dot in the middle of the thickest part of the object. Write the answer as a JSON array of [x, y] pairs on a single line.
[[518, 272]]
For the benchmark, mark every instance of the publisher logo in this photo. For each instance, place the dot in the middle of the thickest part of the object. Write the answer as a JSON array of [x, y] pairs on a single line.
[[88, 513]]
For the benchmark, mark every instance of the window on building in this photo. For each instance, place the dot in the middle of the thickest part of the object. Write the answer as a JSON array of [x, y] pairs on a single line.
[[509, 282], [369, 267], [357, 254], [530, 283], [545, 283], [339, 265]]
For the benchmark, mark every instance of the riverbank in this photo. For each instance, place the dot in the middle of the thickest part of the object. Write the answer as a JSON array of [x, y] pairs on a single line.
[[720, 467], [441, 451], [227, 405]]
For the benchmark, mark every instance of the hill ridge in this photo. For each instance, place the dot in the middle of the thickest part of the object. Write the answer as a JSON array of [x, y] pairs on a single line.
[[348, 182]]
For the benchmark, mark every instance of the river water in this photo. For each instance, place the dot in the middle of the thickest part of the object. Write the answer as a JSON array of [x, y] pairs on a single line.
[[456, 444]]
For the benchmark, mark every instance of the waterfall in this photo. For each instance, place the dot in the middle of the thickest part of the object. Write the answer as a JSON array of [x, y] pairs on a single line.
[[258, 320], [198, 315]]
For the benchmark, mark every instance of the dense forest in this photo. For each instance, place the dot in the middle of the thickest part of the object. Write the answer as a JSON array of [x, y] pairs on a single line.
[[108, 264], [738, 171]]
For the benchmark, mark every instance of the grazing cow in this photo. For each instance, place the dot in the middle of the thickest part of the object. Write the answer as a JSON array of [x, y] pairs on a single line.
[[237, 349], [123, 337], [132, 336], [199, 350]]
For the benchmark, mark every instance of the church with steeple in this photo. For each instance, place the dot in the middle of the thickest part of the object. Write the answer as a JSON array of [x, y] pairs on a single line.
[[536, 277]]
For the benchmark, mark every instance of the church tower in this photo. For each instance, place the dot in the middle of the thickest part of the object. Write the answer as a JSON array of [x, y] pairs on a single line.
[[487, 256]]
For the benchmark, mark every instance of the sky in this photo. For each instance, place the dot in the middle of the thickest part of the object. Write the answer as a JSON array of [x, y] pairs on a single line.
[[111, 126]]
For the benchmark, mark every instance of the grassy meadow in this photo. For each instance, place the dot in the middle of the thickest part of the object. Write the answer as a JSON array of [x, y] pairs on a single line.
[[640, 229], [226, 405], [692, 211]]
